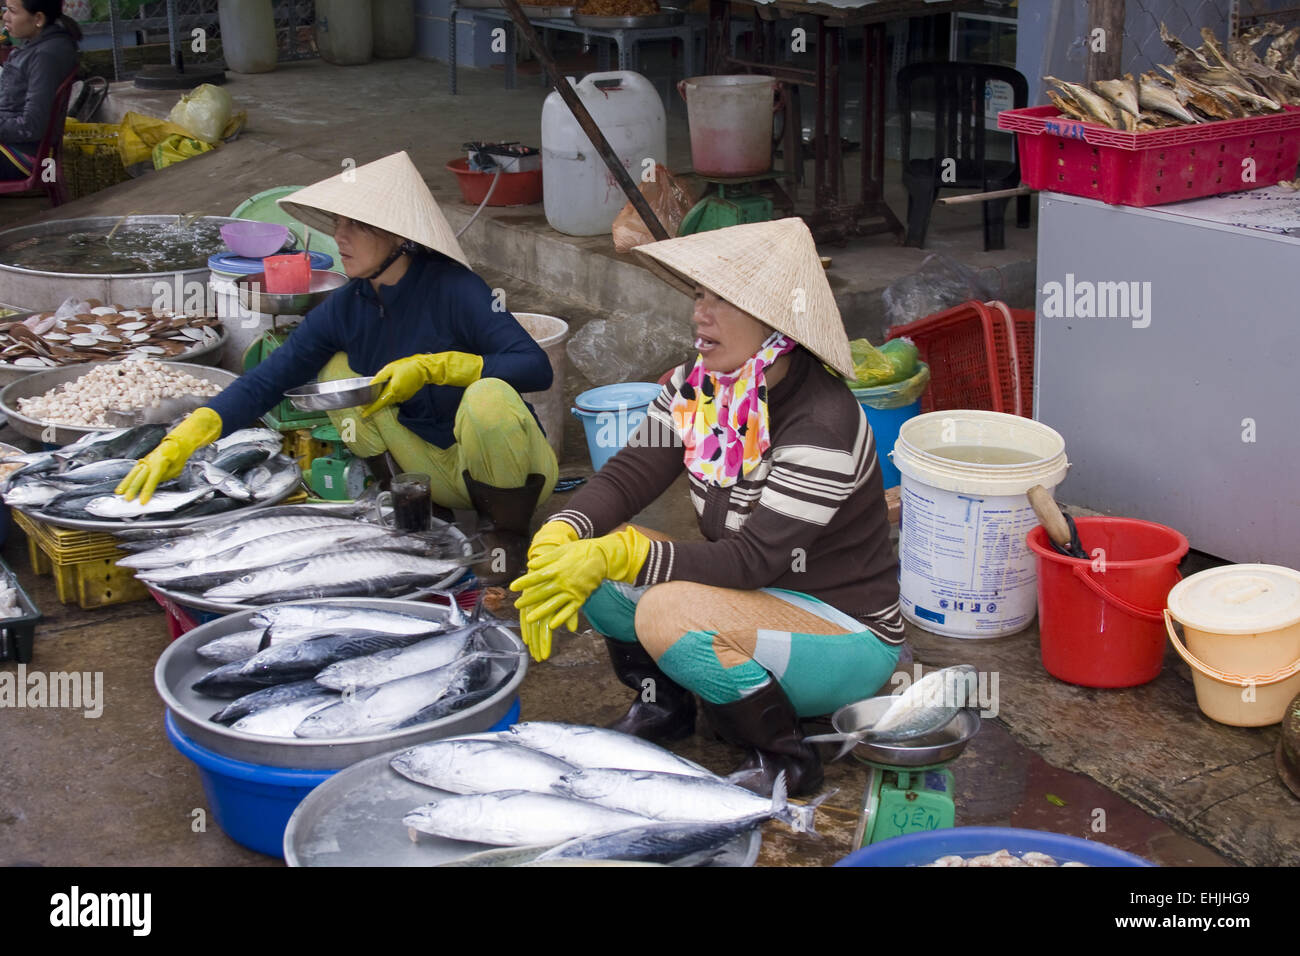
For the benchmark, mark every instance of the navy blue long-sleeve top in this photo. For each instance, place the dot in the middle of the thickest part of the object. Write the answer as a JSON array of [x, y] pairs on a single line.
[[437, 306]]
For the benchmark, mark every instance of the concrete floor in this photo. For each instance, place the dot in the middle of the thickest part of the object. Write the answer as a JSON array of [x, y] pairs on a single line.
[[1176, 787]]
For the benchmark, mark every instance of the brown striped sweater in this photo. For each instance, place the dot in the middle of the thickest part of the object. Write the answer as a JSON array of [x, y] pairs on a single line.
[[810, 517]]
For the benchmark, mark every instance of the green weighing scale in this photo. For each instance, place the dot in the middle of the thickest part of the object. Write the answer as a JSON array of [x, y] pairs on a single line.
[[909, 787], [340, 475], [732, 202]]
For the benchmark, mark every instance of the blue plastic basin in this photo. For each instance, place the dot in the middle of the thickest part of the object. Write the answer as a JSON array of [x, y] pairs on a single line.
[[252, 803], [917, 849]]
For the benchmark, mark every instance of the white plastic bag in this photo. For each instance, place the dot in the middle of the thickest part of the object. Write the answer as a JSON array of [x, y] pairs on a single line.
[[203, 112]]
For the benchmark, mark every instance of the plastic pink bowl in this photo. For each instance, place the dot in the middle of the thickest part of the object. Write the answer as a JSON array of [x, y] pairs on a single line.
[[255, 240]]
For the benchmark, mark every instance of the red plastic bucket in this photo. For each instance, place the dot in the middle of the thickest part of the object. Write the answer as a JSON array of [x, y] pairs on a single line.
[[1101, 618]]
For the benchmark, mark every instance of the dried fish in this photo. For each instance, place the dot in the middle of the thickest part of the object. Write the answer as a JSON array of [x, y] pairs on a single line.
[[1123, 93], [1097, 108]]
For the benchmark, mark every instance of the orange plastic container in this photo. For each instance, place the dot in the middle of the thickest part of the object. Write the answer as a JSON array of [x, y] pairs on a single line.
[[288, 275]]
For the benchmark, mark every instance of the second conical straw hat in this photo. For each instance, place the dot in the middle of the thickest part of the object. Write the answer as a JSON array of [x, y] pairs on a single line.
[[389, 194], [770, 270]]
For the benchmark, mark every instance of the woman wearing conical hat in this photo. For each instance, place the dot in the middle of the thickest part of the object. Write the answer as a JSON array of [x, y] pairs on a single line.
[[788, 607], [414, 316]]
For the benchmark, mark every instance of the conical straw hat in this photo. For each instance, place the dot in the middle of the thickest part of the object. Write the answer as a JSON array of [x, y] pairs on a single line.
[[389, 194], [770, 270]]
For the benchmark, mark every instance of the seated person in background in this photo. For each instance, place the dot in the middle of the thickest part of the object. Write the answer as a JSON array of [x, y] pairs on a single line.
[[31, 77]]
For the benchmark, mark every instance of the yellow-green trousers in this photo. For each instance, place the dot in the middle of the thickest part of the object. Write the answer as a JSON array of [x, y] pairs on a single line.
[[497, 440]]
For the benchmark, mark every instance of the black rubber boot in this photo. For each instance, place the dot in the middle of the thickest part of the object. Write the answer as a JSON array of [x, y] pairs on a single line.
[[511, 511], [765, 721], [662, 710]]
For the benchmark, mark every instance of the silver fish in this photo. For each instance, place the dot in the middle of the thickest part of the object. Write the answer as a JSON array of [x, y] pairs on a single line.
[[342, 615], [929, 703], [242, 645], [516, 817], [227, 536], [375, 669], [267, 697], [391, 705], [259, 553], [664, 842], [96, 472], [597, 747], [31, 494], [162, 503], [282, 663], [274, 479], [668, 796], [361, 573], [280, 720], [260, 437], [480, 766]]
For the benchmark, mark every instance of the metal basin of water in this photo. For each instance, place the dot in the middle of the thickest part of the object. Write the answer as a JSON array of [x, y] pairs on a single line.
[[43, 264]]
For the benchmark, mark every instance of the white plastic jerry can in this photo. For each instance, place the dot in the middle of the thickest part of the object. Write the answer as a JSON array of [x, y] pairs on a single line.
[[580, 195]]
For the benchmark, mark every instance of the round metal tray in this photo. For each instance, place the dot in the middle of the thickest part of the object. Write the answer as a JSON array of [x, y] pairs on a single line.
[[939, 747], [40, 382], [323, 284], [208, 354], [335, 395], [355, 819], [180, 666], [198, 603], [667, 19]]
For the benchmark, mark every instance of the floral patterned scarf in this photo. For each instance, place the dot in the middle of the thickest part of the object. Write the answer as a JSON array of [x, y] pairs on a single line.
[[722, 418]]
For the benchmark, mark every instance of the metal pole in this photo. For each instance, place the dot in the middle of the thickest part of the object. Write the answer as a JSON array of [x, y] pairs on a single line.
[[586, 122], [177, 59], [114, 23]]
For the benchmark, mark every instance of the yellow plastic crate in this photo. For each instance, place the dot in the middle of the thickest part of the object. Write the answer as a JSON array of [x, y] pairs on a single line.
[[66, 546], [90, 583], [299, 445]]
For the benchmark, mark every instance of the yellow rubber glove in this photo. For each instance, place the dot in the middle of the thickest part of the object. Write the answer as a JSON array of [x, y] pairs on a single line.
[[554, 592], [407, 376], [537, 634], [199, 428]]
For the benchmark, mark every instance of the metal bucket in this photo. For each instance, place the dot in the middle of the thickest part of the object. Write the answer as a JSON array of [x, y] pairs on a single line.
[[38, 289], [180, 666]]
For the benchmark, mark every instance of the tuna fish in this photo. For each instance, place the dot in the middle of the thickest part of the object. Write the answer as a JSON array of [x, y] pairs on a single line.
[[596, 747], [480, 766], [516, 817]]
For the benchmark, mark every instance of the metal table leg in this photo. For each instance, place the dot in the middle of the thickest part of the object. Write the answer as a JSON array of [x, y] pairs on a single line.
[[451, 48], [114, 21], [510, 56]]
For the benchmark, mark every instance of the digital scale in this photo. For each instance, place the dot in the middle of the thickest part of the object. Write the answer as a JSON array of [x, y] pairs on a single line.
[[909, 788]]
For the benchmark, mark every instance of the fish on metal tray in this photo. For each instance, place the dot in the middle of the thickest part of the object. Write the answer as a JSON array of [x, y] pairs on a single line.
[[388, 706], [480, 766], [273, 479], [361, 573], [242, 645], [668, 796], [281, 663], [281, 719], [205, 572], [930, 703], [516, 817], [680, 842], [375, 669], [343, 616], [598, 747], [205, 541], [266, 697]]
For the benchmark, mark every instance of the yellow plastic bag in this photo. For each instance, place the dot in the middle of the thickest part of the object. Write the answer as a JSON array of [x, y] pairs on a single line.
[[176, 148], [140, 134], [203, 112]]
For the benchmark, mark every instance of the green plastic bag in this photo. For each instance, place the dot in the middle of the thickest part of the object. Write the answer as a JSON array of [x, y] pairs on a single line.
[[895, 361], [176, 148]]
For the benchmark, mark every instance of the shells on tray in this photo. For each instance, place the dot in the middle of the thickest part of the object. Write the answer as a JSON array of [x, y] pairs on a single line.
[[103, 332]]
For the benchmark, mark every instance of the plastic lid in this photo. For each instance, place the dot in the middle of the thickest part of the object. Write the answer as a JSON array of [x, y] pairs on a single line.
[[1238, 599], [610, 398], [244, 266]]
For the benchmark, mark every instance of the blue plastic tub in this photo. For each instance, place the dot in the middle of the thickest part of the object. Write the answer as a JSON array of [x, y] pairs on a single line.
[[885, 421], [917, 849], [610, 414], [252, 803]]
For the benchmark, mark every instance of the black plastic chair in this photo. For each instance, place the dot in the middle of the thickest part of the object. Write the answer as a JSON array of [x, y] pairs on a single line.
[[959, 135]]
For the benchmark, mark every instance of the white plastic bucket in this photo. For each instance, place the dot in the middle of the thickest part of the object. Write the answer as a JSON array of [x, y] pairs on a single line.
[[964, 567], [730, 120], [550, 333]]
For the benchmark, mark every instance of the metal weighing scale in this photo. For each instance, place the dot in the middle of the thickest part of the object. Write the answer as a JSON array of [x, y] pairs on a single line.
[[734, 201], [340, 475], [909, 787]]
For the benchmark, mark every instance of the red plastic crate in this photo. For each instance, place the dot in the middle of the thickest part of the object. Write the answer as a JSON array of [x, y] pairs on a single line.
[[1155, 167], [981, 355]]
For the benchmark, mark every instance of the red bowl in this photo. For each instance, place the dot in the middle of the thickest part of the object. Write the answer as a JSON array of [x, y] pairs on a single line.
[[513, 189]]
